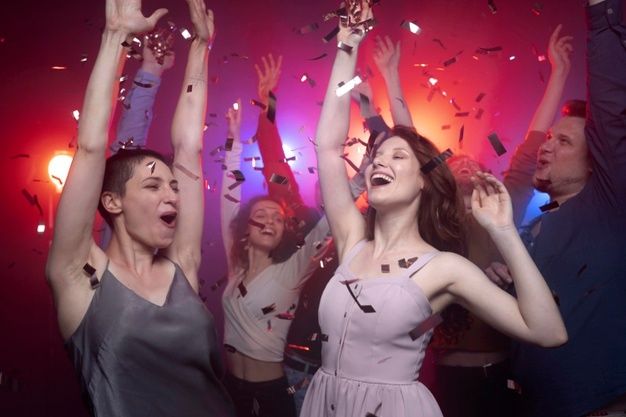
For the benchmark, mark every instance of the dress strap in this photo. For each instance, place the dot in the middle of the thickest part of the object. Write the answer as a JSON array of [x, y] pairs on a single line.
[[420, 262], [353, 251]]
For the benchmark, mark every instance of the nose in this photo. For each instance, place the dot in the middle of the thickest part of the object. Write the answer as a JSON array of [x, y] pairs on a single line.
[[547, 146], [379, 161], [171, 196]]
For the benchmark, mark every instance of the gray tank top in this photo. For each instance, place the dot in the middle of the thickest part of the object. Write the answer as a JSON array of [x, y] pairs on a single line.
[[136, 358]]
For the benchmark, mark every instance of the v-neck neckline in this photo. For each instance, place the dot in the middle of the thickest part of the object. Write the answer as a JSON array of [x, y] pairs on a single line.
[[137, 295]]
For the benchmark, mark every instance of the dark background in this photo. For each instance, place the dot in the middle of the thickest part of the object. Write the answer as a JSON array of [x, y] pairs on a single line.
[[36, 104]]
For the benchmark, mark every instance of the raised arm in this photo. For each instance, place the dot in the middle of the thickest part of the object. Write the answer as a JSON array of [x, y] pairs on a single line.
[[187, 132], [518, 179], [230, 199], [346, 222], [72, 244], [606, 117], [387, 59], [138, 106], [534, 316], [270, 143]]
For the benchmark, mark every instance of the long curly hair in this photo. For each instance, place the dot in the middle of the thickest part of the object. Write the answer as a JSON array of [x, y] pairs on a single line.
[[239, 233], [439, 214]]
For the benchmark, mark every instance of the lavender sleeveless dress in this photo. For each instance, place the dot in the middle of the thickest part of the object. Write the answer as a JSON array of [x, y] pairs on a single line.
[[370, 363]]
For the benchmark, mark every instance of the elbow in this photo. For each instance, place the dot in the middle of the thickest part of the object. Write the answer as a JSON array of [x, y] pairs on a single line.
[[555, 339]]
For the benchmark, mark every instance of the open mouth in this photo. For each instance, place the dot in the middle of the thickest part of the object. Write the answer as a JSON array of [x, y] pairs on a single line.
[[380, 179], [267, 232], [169, 218]]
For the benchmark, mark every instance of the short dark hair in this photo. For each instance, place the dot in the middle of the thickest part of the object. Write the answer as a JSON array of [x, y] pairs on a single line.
[[119, 169], [439, 217], [575, 108]]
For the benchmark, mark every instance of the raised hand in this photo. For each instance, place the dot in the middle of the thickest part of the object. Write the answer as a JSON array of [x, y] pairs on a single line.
[[491, 203], [124, 16], [353, 33], [150, 63], [268, 75], [202, 20], [387, 55], [233, 118], [559, 50]]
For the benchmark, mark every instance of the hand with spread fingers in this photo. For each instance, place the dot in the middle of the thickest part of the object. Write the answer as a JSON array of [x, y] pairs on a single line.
[[125, 16], [387, 55], [268, 76], [202, 19], [491, 203]]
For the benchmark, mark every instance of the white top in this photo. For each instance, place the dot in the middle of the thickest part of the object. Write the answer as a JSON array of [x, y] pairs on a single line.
[[257, 318]]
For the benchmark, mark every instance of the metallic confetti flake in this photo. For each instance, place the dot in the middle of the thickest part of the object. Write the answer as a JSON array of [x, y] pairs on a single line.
[[549, 206], [242, 289], [384, 268], [268, 309], [462, 114], [142, 85], [317, 58], [436, 161], [331, 35], [151, 165], [189, 88], [76, 115], [492, 6], [479, 113], [278, 179], [344, 47], [496, 144], [59, 68], [461, 135], [411, 27], [480, 97], [185, 33], [271, 107], [426, 325], [445, 127], [346, 87]]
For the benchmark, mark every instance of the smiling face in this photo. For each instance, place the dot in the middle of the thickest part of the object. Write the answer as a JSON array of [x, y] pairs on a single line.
[[148, 208], [394, 177], [562, 160], [266, 225]]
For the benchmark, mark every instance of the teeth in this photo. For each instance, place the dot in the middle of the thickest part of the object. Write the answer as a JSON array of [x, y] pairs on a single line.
[[381, 179]]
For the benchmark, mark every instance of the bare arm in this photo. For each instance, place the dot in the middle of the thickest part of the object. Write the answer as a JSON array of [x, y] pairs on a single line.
[[187, 131], [230, 199], [345, 221], [533, 316], [72, 241], [518, 179], [387, 58], [137, 114]]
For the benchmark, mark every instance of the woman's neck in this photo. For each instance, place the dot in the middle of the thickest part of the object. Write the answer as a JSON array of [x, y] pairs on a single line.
[[396, 230], [131, 254], [258, 260]]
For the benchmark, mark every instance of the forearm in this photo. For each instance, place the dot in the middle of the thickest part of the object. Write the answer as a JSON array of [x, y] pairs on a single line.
[[95, 116], [334, 120], [188, 124], [399, 109], [230, 199], [138, 110], [518, 179], [274, 162], [549, 105], [534, 298]]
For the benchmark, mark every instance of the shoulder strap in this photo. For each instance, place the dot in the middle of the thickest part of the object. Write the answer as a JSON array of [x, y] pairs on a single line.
[[421, 262]]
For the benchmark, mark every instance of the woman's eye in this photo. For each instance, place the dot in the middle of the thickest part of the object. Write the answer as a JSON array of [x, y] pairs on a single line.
[[152, 187]]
